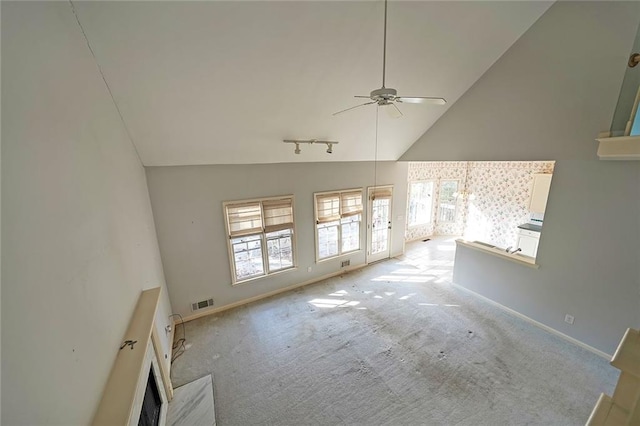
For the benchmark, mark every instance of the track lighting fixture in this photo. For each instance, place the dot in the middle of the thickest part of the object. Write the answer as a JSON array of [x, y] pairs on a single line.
[[311, 142]]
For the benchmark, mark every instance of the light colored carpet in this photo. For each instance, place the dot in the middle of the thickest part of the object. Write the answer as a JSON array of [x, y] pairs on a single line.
[[390, 344]]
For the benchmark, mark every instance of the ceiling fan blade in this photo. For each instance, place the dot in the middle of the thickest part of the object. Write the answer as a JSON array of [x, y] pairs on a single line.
[[393, 111], [421, 100], [365, 97], [357, 106]]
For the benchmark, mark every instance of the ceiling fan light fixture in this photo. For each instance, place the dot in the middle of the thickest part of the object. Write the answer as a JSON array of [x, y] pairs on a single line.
[[329, 148]]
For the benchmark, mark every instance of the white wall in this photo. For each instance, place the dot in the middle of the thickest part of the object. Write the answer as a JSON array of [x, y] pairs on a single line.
[[547, 98], [187, 207], [77, 229]]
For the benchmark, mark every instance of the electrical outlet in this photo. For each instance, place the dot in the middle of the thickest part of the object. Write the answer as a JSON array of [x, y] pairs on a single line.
[[309, 269], [569, 319]]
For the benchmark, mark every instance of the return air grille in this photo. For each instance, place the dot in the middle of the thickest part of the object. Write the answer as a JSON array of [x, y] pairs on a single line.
[[202, 304]]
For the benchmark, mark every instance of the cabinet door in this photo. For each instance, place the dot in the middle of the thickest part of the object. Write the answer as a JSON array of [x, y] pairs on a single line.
[[528, 245], [540, 193]]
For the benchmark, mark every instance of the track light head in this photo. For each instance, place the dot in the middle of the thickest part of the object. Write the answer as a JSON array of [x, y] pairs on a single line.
[[299, 142]]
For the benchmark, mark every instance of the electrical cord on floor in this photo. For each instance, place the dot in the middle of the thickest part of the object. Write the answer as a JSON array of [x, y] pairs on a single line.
[[178, 347]]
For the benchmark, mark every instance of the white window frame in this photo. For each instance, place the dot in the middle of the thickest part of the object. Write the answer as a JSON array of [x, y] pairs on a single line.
[[430, 217], [261, 232], [338, 219], [455, 201]]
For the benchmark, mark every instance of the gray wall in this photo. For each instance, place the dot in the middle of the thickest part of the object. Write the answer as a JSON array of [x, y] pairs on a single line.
[[187, 207], [588, 257], [547, 98], [627, 94], [78, 237]]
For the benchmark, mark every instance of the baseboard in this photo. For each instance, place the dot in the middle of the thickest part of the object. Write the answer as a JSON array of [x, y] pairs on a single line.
[[538, 324], [212, 311]]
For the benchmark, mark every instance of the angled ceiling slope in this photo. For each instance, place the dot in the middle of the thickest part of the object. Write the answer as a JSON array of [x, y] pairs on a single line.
[[225, 82], [537, 102]]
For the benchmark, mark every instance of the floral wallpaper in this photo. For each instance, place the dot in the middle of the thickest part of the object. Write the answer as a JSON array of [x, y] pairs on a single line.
[[500, 192], [437, 171]]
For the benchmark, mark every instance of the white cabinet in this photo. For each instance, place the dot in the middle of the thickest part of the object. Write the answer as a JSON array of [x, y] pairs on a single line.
[[540, 193], [528, 242]]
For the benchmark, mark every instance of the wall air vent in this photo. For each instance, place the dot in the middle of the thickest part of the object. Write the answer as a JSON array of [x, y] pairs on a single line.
[[345, 263], [201, 305]]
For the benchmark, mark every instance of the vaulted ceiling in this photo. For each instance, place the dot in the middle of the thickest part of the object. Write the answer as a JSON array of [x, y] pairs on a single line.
[[225, 82]]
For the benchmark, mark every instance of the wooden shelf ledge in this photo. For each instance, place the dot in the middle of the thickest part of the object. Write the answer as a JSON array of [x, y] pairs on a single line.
[[606, 413], [627, 356], [117, 401], [619, 148]]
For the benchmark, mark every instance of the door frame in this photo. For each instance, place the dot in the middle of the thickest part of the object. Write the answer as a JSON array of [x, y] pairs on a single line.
[[370, 189]]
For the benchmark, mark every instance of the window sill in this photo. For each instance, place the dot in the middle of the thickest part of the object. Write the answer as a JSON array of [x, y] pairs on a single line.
[[517, 258], [338, 256], [260, 277]]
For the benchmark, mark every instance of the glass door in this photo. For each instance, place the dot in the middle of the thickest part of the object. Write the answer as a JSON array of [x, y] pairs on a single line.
[[379, 223]]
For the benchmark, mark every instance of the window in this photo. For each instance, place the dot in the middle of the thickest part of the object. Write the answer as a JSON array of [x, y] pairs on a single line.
[[260, 237], [420, 203], [338, 217], [447, 201]]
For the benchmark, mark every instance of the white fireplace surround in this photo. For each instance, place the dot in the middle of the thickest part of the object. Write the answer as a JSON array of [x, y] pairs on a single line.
[[124, 393]]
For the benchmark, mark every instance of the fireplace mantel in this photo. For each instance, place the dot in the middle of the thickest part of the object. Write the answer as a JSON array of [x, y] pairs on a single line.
[[122, 397]]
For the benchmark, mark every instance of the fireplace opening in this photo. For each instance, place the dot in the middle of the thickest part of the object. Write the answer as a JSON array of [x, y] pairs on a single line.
[[150, 413]]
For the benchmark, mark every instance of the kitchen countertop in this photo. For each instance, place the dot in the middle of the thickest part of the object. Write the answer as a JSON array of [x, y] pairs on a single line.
[[530, 227]]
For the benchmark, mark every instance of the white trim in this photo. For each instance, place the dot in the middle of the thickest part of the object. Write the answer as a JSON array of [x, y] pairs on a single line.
[[315, 223], [150, 365], [517, 258], [263, 238], [619, 148], [376, 258], [537, 324], [269, 294], [259, 277], [338, 256], [433, 198]]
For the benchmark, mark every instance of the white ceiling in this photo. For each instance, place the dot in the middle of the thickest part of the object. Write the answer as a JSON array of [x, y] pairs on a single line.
[[225, 82]]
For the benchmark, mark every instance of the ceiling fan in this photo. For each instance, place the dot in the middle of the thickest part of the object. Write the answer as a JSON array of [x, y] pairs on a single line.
[[386, 96]]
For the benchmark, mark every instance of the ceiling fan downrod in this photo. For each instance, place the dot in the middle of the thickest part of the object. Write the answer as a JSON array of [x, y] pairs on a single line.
[[384, 48]]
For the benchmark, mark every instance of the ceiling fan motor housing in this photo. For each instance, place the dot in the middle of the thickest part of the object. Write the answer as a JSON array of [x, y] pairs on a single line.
[[384, 93]]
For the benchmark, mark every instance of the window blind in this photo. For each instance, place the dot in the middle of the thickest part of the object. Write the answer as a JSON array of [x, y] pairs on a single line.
[[278, 214], [351, 203], [327, 207], [244, 219], [381, 193]]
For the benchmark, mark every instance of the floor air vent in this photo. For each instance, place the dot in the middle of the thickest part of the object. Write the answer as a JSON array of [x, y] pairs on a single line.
[[202, 304], [345, 263]]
